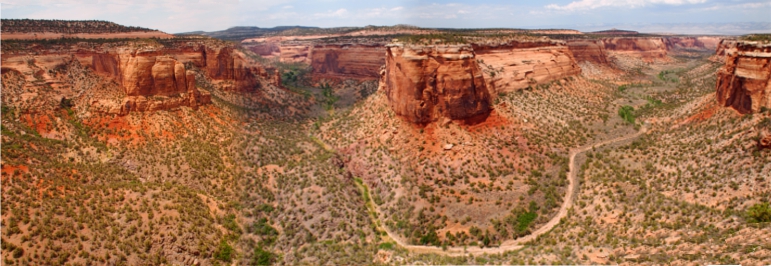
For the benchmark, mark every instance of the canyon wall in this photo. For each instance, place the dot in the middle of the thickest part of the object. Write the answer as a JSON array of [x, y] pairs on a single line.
[[648, 49], [518, 65], [592, 51], [698, 43], [345, 61], [329, 61], [426, 83], [743, 82]]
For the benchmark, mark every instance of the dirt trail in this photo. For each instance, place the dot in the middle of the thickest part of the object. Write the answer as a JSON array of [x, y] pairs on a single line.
[[516, 244]]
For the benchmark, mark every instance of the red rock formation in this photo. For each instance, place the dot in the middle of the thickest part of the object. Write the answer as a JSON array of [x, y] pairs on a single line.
[[720, 51], [266, 48], [154, 78], [592, 51], [764, 138], [426, 83], [517, 65], [743, 82], [345, 61], [295, 53], [647, 48], [698, 43]]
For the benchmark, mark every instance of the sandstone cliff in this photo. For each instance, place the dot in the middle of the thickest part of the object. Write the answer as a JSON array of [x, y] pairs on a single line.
[[698, 43], [743, 82], [426, 83], [517, 65], [592, 51], [346, 61], [648, 49]]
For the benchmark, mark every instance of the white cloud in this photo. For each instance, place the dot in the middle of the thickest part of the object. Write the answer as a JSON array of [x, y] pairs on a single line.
[[746, 6], [594, 4], [332, 14], [397, 8], [287, 7]]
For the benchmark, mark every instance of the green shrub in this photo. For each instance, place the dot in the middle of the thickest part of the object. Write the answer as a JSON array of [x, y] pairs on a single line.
[[224, 252], [386, 245], [759, 213], [18, 252], [262, 257], [627, 113]]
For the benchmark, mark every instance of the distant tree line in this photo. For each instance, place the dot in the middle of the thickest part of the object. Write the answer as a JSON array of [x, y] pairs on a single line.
[[65, 26]]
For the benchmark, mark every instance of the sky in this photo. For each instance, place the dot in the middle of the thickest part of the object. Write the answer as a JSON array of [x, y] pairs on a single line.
[[175, 16]]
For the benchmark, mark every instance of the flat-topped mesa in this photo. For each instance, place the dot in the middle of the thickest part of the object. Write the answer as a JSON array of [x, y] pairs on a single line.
[[426, 83], [743, 82]]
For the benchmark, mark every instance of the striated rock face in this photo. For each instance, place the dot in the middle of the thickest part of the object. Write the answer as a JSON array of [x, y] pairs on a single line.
[[294, 53], [588, 51], [646, 48], [518, 65], [345, 61], [743, 82], [698, 43], [426, 83]]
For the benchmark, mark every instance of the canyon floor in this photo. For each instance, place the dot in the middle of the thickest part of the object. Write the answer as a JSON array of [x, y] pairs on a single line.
[[629, 162]]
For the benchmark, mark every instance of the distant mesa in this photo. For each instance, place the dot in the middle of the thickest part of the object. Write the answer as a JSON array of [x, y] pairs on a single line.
[[615, 32], [34, 29]]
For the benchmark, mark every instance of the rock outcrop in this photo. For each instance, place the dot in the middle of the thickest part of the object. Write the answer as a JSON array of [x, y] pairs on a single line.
[[426, 83], [764, 138], [518, 65], [648, 49], [743, 82]]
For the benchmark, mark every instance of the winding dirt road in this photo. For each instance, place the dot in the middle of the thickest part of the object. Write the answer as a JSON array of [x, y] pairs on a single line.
[[516, 244]]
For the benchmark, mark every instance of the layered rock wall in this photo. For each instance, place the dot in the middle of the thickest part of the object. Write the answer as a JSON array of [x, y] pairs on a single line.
[[295, 53], [698, 43], [592, 51], [648, 49], [345, 61], [743, 82], [517, 65], [426, 83]]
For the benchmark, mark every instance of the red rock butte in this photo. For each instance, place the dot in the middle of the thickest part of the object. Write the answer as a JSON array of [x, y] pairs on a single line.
[[426, 83]]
